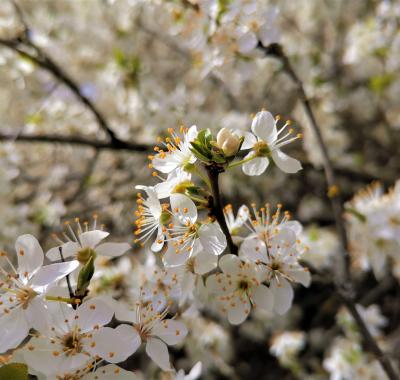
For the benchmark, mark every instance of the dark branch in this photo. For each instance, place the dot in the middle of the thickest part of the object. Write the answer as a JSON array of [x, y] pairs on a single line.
[[75, 140]]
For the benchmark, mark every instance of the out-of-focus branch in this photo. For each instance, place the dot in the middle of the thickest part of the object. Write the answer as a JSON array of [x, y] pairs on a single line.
[[24, 46], [76, 140], [343, 281]]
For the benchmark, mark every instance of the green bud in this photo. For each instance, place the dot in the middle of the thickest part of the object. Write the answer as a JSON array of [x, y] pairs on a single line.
[[85, 254], [84, 277]]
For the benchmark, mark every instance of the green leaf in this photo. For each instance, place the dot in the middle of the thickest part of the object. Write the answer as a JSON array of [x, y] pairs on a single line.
[[14, 371], [380, 83]]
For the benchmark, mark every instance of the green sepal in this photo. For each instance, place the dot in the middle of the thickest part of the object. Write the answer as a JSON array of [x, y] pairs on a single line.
[[84, 277], [14, 371]]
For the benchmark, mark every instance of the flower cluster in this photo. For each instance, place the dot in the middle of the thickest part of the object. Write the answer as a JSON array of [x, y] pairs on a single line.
[[374, 228], [203, 251]]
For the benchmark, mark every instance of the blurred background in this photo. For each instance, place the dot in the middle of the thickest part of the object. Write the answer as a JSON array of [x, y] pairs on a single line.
[[86, 87]]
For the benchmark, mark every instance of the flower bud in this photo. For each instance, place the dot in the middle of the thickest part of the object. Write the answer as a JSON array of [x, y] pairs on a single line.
[[228, 142]]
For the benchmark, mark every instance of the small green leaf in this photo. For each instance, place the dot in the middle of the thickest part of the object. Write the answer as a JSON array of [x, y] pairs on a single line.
[[380, 83], [14, 371]]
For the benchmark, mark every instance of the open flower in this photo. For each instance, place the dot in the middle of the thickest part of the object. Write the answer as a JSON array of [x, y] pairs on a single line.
[[151, 217], [22, 305], [266, 143], [186, 233], [235, 224], [279, 259], [83, 244], [238, 287], [77, 339], [178, 154], [151, 326]]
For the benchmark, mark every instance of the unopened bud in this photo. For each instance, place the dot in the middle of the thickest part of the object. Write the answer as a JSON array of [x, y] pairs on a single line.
[[228, 142]]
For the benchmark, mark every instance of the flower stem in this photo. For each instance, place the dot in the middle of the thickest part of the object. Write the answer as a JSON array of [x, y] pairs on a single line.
[[237, 163], [217, 207]]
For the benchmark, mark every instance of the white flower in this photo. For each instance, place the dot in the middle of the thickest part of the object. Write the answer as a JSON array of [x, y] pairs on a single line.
[[160, 287], [186, 234], [257, 25], [22, 305], [194, 373], [265, 144], [151, 327], [83, 243], [279, 257], [178, 154], [109, 372], [151, 217], [238, 287], [175, 181], [235, 224], [76, 339], [287, 345], [190, 273]]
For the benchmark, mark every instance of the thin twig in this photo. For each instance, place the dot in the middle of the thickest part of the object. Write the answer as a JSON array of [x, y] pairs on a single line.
[[70, 291]]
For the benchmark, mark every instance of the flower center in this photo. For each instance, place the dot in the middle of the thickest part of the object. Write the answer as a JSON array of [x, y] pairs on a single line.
[[25, 295], [165, 217], [243, 285], [85, 254], [261, 149], [72, 344]]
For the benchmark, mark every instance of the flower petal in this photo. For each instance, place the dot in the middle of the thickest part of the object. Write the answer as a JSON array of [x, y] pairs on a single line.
[[247, 42], [14, 329], [92, 238], [302, 276], [230, 264], [256, 166], [112, 249], [30, 255], [284, 162], [249, 140], [37, 315], [111, 372], [253, 249], [239, 309], [264, 127], [68, 249], [50, 274], [212, 238], [283, 295], [92, 313], [114, 345], [205, 262], [170, 331], [263, 297], [158, 352], [183, 208]]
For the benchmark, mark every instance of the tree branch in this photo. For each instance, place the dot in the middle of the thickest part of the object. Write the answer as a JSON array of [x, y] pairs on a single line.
[[76, 140], [217, 207]]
